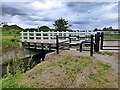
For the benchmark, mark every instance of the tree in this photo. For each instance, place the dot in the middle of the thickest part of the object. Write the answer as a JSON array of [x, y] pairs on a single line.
[[104, 29], [44, 28], [61, 25], [30, 29], [110, 28], [12, 29], [95, 29]]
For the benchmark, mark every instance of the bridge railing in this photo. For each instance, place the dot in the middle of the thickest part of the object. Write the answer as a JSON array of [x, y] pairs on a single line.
[[27, 36]]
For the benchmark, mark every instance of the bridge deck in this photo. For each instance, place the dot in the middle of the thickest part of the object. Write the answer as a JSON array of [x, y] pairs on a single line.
[[45, 41], [54, 40]]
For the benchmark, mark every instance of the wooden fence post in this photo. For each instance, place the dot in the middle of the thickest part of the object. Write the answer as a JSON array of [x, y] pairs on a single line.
[[52, 33], [91, 49], [35, 40], [49, 36], [34, 36], [42, 36], [62, 34], [58, 33], [67, 35], [76, 35], [22, 34], [28, 38], [57, 44], [102, 36]]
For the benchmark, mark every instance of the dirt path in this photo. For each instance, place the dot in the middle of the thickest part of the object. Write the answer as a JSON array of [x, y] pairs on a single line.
[[111, 43]]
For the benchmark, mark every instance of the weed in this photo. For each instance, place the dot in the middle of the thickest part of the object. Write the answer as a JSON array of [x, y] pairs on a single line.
[[13, 76]]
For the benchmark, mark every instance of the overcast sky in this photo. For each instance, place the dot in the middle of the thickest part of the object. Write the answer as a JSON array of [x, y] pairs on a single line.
[[81, 15]]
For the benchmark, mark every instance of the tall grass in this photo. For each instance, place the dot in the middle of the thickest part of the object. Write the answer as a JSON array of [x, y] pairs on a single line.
[[11, 79]]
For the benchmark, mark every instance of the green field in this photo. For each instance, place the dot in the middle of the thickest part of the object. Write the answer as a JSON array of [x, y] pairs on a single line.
[[111, 37], [8, 44]]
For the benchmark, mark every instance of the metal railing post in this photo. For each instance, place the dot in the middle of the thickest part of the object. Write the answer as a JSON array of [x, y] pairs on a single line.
[[70, 40], [102, 36], [91, 49], [57, 45]]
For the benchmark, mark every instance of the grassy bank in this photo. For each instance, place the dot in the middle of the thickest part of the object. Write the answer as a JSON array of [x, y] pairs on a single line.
[[66, 70], [69, 71], [10, 42], [14, 71]]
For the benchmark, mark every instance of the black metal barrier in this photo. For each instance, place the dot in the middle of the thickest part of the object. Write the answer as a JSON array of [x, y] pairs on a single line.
[[109, 47], [101, 46], [97, 41], [92, 42]]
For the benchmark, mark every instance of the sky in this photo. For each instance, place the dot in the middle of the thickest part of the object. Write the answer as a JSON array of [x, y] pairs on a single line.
[[80, 15]]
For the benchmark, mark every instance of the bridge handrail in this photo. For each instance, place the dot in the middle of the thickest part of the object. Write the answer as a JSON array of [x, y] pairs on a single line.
[[51, 35]]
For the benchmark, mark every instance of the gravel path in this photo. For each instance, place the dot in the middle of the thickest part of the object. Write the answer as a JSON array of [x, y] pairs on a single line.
[[111, 43]]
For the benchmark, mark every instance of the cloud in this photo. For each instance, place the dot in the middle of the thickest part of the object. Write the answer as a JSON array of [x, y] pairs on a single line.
[[81, 15], [46, 5]]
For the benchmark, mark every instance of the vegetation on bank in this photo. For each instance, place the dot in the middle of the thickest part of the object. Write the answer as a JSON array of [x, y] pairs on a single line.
[[10, 42], [14, 71], [11, 79], [69, 71], [65, 70]]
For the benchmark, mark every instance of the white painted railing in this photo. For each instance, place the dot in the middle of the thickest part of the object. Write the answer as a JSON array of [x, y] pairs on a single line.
[[27, 36]]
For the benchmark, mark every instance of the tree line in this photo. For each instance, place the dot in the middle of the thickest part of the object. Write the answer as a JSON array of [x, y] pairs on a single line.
[[60, 25], [106, 29]]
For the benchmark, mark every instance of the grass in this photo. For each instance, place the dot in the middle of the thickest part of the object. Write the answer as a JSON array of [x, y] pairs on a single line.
[[99, 79], [64, 70], [111, 38], [11, 79], [8, 44], [73, 65]]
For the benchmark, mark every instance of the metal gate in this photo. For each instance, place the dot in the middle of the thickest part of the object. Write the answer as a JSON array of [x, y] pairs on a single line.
[[110, 41]]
